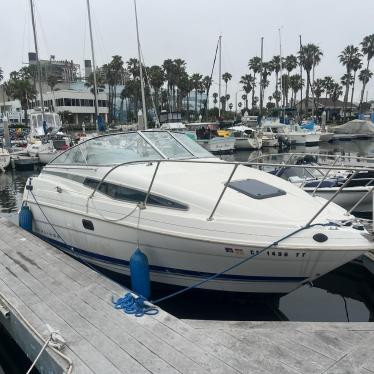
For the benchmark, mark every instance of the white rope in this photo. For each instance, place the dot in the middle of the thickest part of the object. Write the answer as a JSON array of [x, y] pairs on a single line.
[[40, 336]]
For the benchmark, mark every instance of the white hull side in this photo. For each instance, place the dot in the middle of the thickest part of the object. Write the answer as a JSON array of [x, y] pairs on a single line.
[[4, 158], [220, 144], [248, 143], [347, 198], [303, 138], [46, 156], [183, 261]]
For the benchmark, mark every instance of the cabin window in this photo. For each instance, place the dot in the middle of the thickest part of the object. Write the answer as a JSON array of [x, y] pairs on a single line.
[[256, 189], [132, 195]]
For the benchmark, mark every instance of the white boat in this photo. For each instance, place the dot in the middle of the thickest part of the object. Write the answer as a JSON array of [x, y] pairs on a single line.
[[294, 133], [34, 147], [269, 140], [220, 144], [47, 156], [325, 137], [4, 159], [52, 123], [163, 193], [246, 137]]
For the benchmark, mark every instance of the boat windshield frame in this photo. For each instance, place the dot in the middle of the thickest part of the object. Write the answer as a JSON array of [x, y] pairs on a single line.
[[189, 152]]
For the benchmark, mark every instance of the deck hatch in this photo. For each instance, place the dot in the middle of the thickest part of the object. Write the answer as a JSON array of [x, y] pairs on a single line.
[[256, 189]]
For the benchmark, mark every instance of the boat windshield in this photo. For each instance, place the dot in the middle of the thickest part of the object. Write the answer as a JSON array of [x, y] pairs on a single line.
[[133, 146]]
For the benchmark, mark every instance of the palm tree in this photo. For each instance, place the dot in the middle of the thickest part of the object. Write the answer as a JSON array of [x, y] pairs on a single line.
[[196, 84], [226, 77], [156, 78], [364, 76], [206, 82], [328, 84], [52, 81], [309, 56], [276, 67], [336, 92], [347, 58], [266, 71], [170, 77], [319, 88], [21, 89], [367, 48], [248, 82], [255, 65], [296, 84], [356, 65], [289, 63]]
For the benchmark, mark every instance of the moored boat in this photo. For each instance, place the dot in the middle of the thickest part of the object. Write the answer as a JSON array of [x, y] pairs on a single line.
[[163, 193]]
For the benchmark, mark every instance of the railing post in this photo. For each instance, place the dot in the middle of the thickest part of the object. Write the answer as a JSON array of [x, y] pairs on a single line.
[[222, 193], [361, 200], [332, 198], [151, 184], [324, 177]]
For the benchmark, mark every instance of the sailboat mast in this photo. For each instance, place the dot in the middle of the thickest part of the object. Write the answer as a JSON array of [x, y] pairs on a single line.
[[37, 58], [301, 79], [220, 75], [141, 70], [281, 72], [261, 88], [93, 67]]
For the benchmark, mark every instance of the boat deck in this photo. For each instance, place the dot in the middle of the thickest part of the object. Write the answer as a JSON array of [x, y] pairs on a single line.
[[48, 287]]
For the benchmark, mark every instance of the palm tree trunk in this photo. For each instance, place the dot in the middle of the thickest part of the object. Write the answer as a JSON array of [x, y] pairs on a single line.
[[307, 91], [346, 94], [276, 87], [353, 89], [195, 102]]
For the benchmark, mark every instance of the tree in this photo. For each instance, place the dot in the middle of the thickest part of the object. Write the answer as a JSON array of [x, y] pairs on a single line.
[[356, 65], [52, 81], [255, 64], [296, 84], [1, 78], [328, 85], [364, 76], [196, 84], [336, 92], [367, 48], [318, 88], [275, 64], [309, 56], [347, 58], [290, 63], [156, 78], [21, 89], [248, 83], [226, 78], [266, 71]]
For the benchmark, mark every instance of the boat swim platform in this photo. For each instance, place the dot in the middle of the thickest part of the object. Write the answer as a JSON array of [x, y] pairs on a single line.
[[41, 286]]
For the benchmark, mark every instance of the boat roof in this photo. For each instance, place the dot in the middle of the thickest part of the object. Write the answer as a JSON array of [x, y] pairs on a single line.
[[241, 128], [120, 148]]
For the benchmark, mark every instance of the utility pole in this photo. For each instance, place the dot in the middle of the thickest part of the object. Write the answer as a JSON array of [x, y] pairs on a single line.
[[281, 73], [141, 70], [93, 67], [219, 76], [37, 58], [262, 58]]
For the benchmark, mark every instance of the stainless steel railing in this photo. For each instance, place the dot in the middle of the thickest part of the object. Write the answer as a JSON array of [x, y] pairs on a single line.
[[352, 170]]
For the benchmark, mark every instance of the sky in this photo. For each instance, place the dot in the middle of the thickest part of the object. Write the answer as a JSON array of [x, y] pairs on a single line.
[[186, 29]]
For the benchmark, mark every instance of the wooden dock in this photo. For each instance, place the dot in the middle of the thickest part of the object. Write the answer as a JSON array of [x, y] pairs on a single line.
[[46, 286]]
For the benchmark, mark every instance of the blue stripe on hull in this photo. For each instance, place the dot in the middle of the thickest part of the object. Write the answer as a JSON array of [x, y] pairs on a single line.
[[160, 269]]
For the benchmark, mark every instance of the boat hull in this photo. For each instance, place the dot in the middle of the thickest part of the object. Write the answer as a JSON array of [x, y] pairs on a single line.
[[4, 158], [248, 143], [347, 198], [181, 261], [304, 139]]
